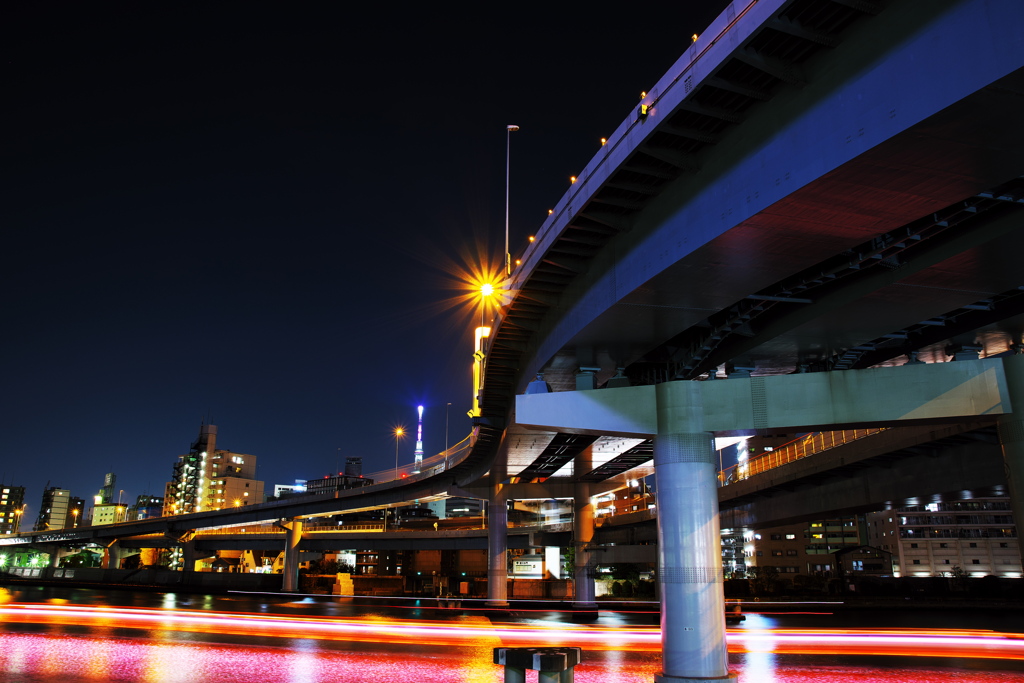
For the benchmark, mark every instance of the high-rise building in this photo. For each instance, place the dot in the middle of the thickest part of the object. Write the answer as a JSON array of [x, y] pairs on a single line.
[[54, 509], [106, 494], [12, 506], [976, 536], [207, 478]]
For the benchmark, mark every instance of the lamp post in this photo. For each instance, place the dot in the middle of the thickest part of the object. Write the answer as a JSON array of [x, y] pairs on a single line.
[[447, 408], [74, 516], [399, 433], [486, 291], [508, 136]]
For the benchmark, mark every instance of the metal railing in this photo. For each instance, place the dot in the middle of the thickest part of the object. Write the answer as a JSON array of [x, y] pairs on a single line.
[[435, 464], [803, 447], [470, 524], [589, 179]]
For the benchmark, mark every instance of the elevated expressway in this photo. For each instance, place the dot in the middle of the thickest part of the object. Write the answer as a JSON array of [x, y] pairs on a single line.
[[820, 201], [815, 185]]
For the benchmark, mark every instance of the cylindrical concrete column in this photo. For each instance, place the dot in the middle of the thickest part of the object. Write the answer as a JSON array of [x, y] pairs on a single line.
[[689, 559], [583, 535], [188, 556], [112, 556], [1011, 437], [290, 580], [497, 548]]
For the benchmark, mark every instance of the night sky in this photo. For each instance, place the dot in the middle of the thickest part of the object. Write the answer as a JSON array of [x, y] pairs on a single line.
[[258, 215]]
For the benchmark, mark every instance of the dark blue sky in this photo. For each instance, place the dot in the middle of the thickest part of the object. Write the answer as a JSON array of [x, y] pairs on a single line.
[[255, 212]]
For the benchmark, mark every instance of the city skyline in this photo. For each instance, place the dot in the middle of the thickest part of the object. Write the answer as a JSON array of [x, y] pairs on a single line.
[[258, 220]]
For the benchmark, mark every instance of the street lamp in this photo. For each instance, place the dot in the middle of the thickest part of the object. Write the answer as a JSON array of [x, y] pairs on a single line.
[[486, 291], [446, 409], [19, 512], [508, 136], [399, 433], [74, 516]]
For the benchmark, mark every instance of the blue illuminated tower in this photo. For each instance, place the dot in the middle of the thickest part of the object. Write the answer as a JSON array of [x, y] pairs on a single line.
[[419, 440]]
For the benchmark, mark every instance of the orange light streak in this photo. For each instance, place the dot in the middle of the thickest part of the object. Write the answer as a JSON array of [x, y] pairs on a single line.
[[474, 630]]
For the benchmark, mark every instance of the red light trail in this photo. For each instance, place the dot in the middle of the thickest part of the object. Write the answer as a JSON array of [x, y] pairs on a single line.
[[477, 630]]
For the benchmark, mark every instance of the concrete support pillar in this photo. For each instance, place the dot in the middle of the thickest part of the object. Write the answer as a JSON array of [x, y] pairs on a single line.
[[54, 553], [1011, 437], [497, 547], [583, 535], [290, 582], [188, 556], [111, 556], [689, 558]]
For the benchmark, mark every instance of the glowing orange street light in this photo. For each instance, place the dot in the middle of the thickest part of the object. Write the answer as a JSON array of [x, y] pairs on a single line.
[[399, 433], [74, 515], [486, 291]]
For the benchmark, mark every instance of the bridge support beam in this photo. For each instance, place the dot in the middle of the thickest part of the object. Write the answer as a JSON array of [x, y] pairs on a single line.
[[112, 556], [583, 536], [53, 551], [188, 555], [290, 580], [689, 559], [1011, 438], [682, 416], [497, 547]]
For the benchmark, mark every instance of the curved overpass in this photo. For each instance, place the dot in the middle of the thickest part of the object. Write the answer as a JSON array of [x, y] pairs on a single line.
[[812, 186], [815, 185]]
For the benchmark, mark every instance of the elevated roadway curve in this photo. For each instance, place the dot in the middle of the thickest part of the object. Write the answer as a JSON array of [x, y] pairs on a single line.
[[814, 185]]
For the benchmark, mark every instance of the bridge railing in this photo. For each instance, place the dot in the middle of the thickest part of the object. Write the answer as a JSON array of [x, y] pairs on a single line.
[[796, 450], [469, 524], [273, 529], [673, 87], [435, 464]]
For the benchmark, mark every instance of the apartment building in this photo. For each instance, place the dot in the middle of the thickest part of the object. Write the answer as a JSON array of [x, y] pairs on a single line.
[[977, 536]]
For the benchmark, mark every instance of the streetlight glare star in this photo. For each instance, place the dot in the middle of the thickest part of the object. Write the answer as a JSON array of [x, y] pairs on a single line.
[[487, 289]]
